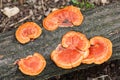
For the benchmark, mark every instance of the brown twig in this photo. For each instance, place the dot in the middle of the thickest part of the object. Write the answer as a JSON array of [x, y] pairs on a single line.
[[4, 24], [102, 77], [23, 19], [1, 4]]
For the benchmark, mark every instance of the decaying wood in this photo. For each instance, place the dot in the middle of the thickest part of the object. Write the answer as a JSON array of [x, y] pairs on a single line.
[[104, 21]]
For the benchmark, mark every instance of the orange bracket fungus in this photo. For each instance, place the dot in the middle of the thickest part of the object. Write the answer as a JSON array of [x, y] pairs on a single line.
[[32, 65], [66, 17], [75, 40], [72, 50], [66, 58], [100, 50], [75, 49], [28, 31]]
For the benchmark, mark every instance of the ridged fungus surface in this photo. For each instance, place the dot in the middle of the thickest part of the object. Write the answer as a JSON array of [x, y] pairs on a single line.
[[66, 17], [27, 32], [32, 65]]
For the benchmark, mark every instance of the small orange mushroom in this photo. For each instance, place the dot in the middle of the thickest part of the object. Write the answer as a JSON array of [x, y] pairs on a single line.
[[28, 31], [32, 65], [100, 50], [66, 17], [75, 40]]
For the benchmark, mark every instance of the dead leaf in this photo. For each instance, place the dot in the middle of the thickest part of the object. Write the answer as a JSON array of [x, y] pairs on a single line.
[[10, 11], [1, 56], [104, 2]]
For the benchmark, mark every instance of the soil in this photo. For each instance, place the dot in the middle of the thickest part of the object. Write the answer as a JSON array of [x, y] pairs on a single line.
[[35, 10], [30, 10]]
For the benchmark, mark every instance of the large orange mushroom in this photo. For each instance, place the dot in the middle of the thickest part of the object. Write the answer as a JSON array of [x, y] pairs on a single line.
[[66, 17], [100, 50], [32, 65], [67, 58], [72, 50], [28, 31], [75, 49]]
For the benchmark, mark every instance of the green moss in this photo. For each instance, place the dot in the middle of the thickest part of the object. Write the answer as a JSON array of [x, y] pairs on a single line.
[[83, 4]]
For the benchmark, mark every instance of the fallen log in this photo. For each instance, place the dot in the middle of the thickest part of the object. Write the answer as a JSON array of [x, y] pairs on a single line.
[[103, 21]]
